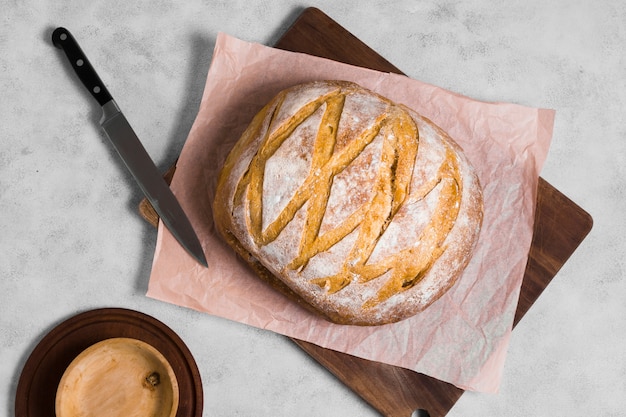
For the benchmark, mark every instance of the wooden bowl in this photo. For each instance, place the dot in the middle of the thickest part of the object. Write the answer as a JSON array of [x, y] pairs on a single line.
[[118, 377]]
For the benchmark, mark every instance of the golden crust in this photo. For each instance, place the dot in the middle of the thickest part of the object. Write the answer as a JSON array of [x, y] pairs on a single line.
[[356, 207]]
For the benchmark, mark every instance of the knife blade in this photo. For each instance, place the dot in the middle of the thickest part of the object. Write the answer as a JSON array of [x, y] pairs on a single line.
[[130, 149]]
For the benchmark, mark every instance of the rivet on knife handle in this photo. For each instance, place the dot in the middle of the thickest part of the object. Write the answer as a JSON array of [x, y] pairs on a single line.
[[63, 39]]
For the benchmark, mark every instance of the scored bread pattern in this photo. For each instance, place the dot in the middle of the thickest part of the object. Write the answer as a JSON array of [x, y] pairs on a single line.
[[391, 189]]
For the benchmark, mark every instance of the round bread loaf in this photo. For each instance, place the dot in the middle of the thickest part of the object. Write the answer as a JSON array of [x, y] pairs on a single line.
[[355, 206]]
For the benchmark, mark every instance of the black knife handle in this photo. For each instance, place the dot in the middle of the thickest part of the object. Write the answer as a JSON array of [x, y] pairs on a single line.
[[63, 39]]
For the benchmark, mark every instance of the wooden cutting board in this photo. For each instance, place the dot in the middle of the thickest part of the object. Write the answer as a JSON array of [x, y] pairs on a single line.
[[560, 226]]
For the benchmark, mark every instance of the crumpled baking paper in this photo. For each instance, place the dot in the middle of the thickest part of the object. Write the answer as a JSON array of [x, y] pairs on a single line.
[[463, 337]]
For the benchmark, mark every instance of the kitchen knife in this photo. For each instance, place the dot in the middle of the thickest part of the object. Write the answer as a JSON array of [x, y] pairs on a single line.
[[127, 144]]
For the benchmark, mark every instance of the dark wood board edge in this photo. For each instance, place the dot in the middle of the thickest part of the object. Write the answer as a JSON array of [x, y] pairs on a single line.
[[569, 225], [392, 391], [559, 222], [313, 32]]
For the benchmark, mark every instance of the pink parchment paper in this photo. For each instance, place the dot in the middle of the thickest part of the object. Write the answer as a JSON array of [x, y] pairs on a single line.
[[463, 337]]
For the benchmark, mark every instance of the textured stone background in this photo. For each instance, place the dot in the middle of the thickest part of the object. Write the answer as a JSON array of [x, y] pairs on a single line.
[[71, 239]]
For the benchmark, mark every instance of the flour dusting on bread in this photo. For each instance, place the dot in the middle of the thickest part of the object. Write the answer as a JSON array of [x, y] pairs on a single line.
[[357, 207]]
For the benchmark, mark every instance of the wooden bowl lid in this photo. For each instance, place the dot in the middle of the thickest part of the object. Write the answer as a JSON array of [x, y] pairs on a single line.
[[118, 377]]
